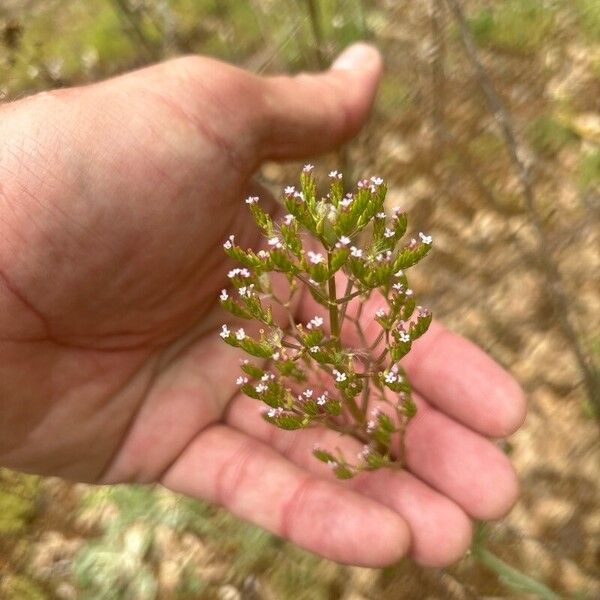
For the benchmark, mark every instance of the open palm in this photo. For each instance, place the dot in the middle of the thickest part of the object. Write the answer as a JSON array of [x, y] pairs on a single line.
[[115, 199]]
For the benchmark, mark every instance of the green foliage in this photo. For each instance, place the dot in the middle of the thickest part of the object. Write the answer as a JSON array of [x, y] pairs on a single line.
[[548, 136], [514, 26], [18, 587], [588, 17], [18, 500], [589, 169]]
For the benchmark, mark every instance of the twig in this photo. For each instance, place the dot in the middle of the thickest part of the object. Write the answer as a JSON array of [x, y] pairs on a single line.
[[591, 375]]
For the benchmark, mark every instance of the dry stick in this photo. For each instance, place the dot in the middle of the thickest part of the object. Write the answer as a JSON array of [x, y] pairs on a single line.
[[590, 374], [321, 59]]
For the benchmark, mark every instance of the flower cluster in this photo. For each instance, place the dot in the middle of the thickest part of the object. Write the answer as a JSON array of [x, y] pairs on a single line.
[[348, 254]]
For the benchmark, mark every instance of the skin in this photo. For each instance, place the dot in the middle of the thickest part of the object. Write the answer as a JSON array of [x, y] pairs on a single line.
[[115, 199]]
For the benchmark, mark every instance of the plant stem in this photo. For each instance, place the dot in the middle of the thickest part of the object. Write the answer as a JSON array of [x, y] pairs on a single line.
[[512, 577], [334, 322]]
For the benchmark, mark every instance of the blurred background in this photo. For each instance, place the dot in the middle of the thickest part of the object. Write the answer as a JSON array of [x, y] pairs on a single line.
[[487, 129]]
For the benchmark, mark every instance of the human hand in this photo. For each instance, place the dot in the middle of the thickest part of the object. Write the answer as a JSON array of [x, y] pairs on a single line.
[[115, 199]]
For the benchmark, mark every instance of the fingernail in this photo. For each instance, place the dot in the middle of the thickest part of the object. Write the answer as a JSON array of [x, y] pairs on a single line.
[[357, 56]]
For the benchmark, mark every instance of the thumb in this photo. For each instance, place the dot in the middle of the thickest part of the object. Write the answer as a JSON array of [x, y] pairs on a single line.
[[310, 114]]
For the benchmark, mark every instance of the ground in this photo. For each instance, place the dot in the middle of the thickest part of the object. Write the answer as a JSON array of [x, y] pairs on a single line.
[[487, 129]]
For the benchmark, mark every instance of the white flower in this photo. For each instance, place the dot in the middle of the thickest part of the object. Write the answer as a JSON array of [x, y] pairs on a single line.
[[388, 233], [380, 313], [224, 296], [408, 292], [356, 252], [241, 272], [376, 180], [225, 333], [398, 286], [228, 245], [262, 254], [274, 412], [240, 334], [399, 273], [344, 240], [299, 196], [314, 349], [315, 257], [371, 425], [315, 322], [242, 291], [307, 168], [307, 393], [275, 356], [289, 190], [426, 239], [339, 377], [322, 399], [366, 450], [423, 312], [274, 241], [288, 219], [260, 388], [241, 380], [390, 377], [347, 201], [267, 376], [332, 464], [251, 199], [396, 211], [380, 215], [335, 175], [362, 183]]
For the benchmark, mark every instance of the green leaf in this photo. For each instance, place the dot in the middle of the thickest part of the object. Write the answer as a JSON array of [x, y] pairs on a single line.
[[289, 233], [409, 407], [386, 423], [323, 455], [289, 368], [281, 260], [338, 259], [333, 407], [408, 257], [246, 257], [343, 472], [399, 350], [376, 460], [408, 309], [262, 349], [420, 326], [250, 391], [286, 420], [235, 309], [252, 370], [263, 220]]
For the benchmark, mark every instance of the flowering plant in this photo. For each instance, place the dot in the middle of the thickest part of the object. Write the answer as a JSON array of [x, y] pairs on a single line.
[[324, 372]]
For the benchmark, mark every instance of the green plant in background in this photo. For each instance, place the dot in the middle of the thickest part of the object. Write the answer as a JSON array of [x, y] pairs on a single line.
[[588, 17], [311, 374], [589, 169], [515, 26], [18, 501], [548, 136]]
